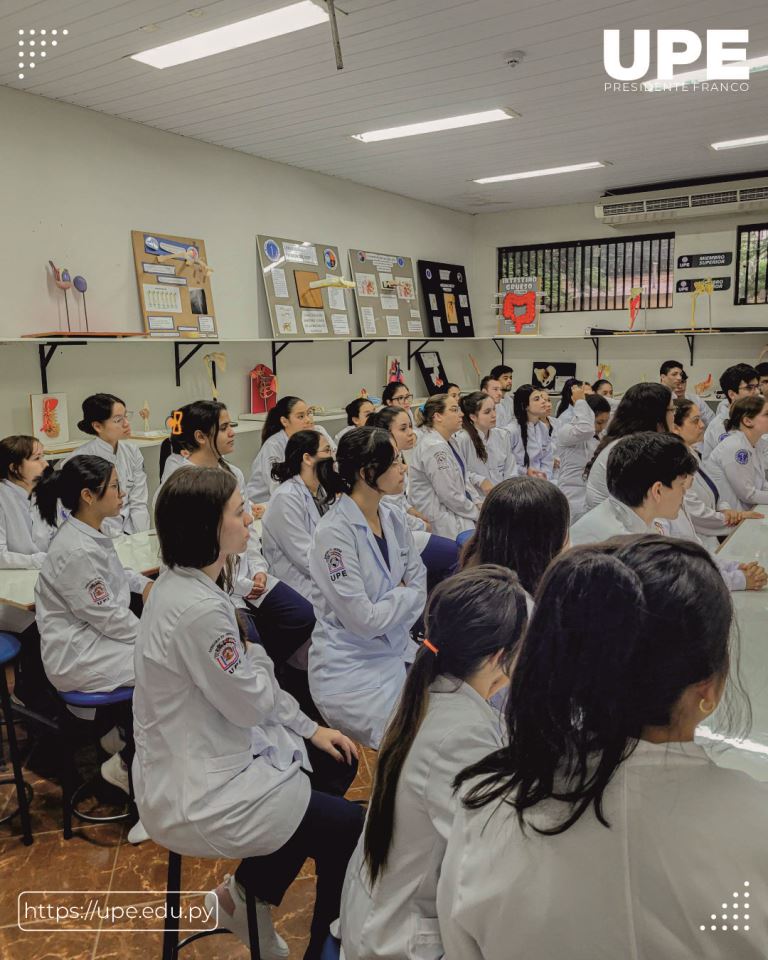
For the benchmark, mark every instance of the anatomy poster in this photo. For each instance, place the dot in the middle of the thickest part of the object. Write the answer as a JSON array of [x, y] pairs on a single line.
[[174, 279], [446, 299], [385, 292], [299, 278]]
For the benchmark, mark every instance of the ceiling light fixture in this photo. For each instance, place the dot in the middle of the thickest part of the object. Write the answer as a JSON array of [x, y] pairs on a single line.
[[433, 126], [547, 172], [277, 23], [744, 142]]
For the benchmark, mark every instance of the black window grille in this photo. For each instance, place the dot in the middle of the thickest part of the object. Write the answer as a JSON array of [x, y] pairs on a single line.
[[751, 260], [582, 275]]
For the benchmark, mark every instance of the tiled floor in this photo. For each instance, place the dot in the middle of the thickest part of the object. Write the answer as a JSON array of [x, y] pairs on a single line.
[[98, 858]]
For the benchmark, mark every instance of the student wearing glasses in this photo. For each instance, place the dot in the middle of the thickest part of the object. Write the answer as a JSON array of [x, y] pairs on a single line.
[[740, 380], [398, 395], [106, 419]]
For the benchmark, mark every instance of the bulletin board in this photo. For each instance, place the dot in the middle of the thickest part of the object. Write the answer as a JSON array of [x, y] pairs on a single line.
[[174, 282], [385, 293], [446, 299], [296, 309]]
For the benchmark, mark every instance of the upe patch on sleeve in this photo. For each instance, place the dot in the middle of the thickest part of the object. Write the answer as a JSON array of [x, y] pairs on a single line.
[[742, 457], [442, 460], [225, 653], [335, 562], [97, 591]]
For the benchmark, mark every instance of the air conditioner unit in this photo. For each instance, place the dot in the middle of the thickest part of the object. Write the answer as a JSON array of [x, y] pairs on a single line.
[[703, 200]]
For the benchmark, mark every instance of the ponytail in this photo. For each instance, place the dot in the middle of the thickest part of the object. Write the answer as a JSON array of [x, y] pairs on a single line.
[[273, 423], [299, 443], [97, 408], [367, 449], [520, 400], [643, 409], [743, 407], [65, 485], [566, 396], [425, 414], [470, 404]]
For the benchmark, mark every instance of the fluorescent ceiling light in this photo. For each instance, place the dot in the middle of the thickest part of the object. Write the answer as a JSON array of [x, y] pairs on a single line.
[[548, 172], [432, 126], [756, 65], [744, 142], [277, 23]]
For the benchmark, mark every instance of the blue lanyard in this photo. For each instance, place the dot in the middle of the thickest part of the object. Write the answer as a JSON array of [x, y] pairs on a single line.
[[463, 469], [711, 484]]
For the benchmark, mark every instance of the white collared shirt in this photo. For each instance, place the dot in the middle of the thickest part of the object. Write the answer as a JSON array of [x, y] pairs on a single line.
[[24, 535]]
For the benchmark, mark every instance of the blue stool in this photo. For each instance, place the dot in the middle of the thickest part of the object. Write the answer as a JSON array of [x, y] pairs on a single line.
[[71, 795], [463, 537], [9, 650], [331, 949]]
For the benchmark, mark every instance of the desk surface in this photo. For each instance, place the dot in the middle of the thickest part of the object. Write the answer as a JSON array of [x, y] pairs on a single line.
[[140, 552]]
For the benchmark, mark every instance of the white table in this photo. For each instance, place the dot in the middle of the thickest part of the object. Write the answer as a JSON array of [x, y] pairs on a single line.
[[140, 552], [750, 656]]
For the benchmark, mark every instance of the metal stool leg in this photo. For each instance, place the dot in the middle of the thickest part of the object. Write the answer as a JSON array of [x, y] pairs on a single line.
[[253, 926], [172, 905], [13, 750]]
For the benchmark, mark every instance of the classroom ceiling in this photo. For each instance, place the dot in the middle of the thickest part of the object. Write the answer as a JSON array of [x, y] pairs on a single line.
[[406, 61]]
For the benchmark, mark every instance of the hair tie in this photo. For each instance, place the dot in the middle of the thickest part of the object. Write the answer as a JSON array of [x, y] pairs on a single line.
[[430, 646], [174, 422], [421, 408]]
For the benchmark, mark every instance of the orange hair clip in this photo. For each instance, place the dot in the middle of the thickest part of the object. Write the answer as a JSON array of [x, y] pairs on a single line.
[[174, 422], [430, 646]]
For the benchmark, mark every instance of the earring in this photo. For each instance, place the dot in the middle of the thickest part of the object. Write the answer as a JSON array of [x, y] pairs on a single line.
[[705, 706]]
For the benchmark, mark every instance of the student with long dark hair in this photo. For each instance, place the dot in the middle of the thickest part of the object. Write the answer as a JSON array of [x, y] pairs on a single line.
[[220, 749], [523, 526], [288, 416], [736, 463], [644, 407], [396, 394], [598, 822], [357, 411], [577, 438], [368, 589], [485, 448], [531, 432], [107, 420], [573, 391], [443, 723], [603, 387]]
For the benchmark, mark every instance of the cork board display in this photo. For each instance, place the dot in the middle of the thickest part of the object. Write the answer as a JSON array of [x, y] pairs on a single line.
[[446, 299], [385, 292], [296, 308], [174, 281]]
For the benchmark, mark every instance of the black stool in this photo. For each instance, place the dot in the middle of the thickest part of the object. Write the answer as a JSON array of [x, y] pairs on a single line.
[[9, 650]]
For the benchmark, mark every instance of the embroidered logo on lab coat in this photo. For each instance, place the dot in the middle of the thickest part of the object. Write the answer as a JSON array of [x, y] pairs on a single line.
[[98, 592], [226, 653], [442, 461], [742, 457], [335, 562]]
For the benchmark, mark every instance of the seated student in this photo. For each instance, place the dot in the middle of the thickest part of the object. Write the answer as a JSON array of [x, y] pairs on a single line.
[[83, 592], [523, 526], [493, 388], [740, 380], [572, 391], [485, 449], [503, 374], [736, 464], [647, 476], [762, 370], [439, 487], [603, 388], [288, 416], [644, 407], [105, 417], [358, 411], [282, 617], [398, 395], [368, 589], [443, 722], [588, 834], [220, 748], [453, 390], [577, 440], [531, 432], [438, 554]]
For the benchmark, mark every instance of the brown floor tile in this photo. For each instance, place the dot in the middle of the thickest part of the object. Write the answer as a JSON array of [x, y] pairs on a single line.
[[46, 946]]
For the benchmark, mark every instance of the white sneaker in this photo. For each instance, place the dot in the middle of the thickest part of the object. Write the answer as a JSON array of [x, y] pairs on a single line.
[[137, 833], [115, 772], [271, 944], [112, 742]]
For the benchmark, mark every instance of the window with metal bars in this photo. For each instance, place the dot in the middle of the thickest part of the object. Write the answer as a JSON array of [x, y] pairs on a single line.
[[582, 275], [751, 262]]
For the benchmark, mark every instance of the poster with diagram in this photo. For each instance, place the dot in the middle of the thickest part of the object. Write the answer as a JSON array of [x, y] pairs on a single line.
[[446, 299], [299, 308], [385, 293], [174, 280]]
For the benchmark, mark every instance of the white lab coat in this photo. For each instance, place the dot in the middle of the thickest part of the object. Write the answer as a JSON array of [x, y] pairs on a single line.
[[610, 518], [129, 464], [261, 486], [707, 415], [287, 530], [341, 433], [439, 489], [501, 463], [398, 918], [82, 597], [24, 535], [415, 524], [361, 641], [597, 481], [504, 413], [738, 471], [682, 527], [541, 453], [217, 771], [704, 511], [714, 433], [577, 443]]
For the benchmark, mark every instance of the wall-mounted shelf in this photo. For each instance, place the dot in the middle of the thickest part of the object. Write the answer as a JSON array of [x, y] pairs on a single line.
[[596, 334]]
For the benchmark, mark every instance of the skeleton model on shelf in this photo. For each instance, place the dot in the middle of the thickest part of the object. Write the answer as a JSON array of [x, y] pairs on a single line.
[[191, 261], [706, 288], [635, 305]]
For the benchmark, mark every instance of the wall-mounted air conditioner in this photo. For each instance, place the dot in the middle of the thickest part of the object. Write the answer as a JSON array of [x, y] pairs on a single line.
[[703, 200]]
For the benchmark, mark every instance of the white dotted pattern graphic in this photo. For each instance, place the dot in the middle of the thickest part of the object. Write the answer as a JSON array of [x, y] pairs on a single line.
[[735, 905], [28, 43]]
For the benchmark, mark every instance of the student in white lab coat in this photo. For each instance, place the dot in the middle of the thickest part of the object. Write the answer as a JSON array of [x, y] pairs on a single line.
[[736, 464], [368, 589], [439, 484], [288, 416], [644, 407], [762, 372], [531, 432], [603, 388], [485, 449], [492, 388], [572, 391], [398, 395], [107, 420], [443, 723], [606, 717], [503, 373], [221, 750], [523, 526], [577, 438], [83, 593], [358, 411], [740, 380], [440, 555]]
